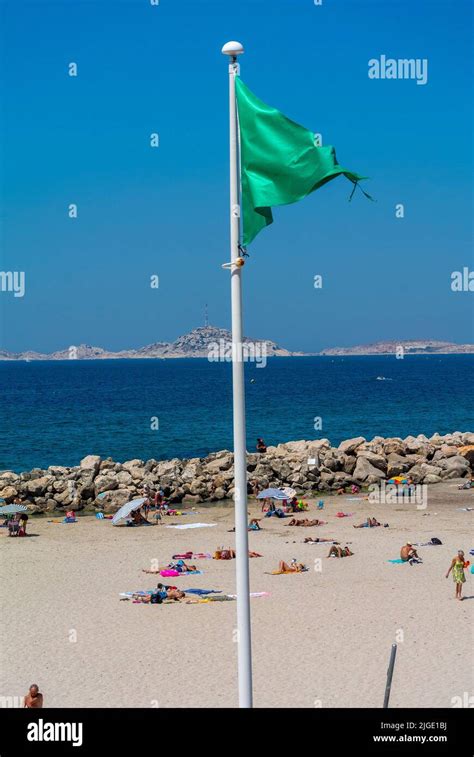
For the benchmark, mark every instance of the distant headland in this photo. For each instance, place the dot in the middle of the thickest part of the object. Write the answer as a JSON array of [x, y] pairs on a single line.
[[198, 343]]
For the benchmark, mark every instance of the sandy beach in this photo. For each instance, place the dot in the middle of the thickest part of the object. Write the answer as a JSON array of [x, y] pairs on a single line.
[[320, 639]]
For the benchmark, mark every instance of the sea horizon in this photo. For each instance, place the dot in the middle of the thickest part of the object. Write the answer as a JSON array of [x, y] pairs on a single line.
[[60, 411]]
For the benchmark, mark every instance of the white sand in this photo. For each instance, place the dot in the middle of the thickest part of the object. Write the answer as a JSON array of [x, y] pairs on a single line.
[[322, 638]]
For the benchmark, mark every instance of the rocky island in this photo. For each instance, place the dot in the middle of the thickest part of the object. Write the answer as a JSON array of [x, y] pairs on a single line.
[[195, 344]]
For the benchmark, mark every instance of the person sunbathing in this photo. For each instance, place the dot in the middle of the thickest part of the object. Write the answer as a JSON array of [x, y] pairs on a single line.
[[174, 594], [409, 554], [305, 522], [179, 566], [224, 554], [182, 567], [338, 551], [310, 540], [369, 523], [294, 567]]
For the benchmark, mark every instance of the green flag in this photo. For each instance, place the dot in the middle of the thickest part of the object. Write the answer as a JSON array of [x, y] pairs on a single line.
[[280, 162]]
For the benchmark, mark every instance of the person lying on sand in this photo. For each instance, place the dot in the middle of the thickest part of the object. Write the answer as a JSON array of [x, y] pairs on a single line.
[[306, 522], [180, 566], [34, 699], [338, 551], [229, 554], [458, 566], [371, 523], [159, 595], [409, 554], [294, 567], [310, 540]]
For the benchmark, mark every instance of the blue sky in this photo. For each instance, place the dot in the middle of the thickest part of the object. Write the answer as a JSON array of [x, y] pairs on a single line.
[[164, 211]]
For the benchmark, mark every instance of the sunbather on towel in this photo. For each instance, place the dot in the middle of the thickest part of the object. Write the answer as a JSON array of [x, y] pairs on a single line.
[[310, 540], [293, 567], [338, 551], [370, 523], [305, 522], [180, 566]]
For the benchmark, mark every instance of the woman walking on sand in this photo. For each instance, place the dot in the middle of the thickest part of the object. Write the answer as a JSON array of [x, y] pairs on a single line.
[[457, 566]]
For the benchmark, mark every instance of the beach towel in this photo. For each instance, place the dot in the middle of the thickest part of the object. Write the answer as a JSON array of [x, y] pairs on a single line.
[[190, 555], [62, 521], [398, 561], [202, 592], [175, 573], [344, 515], [252, 594], [206, 600], [194, 525]]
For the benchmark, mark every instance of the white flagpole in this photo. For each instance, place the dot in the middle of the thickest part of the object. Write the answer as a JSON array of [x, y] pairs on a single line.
[[244, 646]]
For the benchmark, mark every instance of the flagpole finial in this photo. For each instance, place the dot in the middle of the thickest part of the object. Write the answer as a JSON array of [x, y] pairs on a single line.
[[233, 49]]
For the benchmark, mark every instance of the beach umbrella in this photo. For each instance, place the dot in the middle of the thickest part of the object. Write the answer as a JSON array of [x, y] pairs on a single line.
[[272, 494], [12, 509], [126, 509]]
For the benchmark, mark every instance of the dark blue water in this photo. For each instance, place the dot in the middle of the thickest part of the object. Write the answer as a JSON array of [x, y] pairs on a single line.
[[57, 412]]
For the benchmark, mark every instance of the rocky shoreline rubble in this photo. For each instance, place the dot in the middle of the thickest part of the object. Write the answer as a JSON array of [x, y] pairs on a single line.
[[308, 466]]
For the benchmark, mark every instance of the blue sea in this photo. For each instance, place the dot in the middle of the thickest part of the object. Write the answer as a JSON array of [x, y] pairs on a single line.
[[58, 412]]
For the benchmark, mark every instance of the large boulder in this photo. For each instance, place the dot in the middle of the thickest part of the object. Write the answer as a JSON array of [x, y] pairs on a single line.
[[165, 467], [8, 493], [364, 471], [124, 478], [467, 452], [378, 461], [66, 498], [350, 445], [91, 462], [396, 464], [135, 463], [111, 501], [38, 486], [105, 483], [454, 467], [394, 447], [8, 477]]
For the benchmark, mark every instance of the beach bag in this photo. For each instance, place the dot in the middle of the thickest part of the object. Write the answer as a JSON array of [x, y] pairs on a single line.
[[435, 540]]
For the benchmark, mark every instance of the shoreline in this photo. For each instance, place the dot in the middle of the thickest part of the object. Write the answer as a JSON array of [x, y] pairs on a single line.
[[322, 353], [312, 467]]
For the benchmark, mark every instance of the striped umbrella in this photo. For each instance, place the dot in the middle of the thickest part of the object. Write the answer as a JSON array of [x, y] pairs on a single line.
[[12, 509], [272, 494]]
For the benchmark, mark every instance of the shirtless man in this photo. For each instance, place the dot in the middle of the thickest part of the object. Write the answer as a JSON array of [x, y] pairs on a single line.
[[408, 554], [33, 700]]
